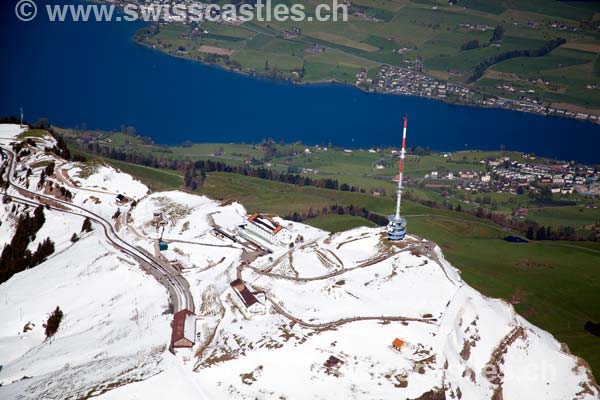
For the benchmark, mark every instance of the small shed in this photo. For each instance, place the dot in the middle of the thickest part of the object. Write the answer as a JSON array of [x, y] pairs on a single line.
[[162, 246], [397, 344], [183, 329]]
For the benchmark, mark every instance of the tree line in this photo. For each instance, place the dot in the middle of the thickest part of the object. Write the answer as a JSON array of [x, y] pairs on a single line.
[[497, 36], [15, 256], [480, 68], [195, 171], [338, 209]]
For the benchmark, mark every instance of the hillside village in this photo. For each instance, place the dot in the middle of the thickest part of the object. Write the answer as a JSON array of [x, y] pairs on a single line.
[[411, 81], [503, 175], [195, 298]]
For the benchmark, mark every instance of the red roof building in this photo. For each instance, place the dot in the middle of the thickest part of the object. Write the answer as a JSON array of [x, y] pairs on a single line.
[[183, 332]]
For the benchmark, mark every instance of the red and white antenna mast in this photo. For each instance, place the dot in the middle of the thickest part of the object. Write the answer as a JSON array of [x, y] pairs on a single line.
[[400, 176]]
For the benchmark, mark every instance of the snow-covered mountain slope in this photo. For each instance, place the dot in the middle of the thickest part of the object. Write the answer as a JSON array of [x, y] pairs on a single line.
[[115, 328], [330, 307]]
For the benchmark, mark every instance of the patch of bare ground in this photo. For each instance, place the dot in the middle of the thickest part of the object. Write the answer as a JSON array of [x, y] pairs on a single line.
[[433, 394], [465, 353], [210, 337], [287, 334], [497, 395], [340, 263], [251, 377], [326, 261], [216, 358], [249, 257], [359, 237], [210, 304], [416, 252], [493, 369], [93, 199], [226, 202], [215, 50], [468, 372], [421, 365], [399, 381], [497, 357], [385, 245], [87, 170], [586, 387]]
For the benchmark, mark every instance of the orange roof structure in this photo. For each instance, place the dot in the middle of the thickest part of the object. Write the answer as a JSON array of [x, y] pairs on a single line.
[[265, 222], [397, 343]]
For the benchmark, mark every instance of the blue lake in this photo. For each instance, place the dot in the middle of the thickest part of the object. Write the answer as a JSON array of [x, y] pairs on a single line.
[[94, 74]]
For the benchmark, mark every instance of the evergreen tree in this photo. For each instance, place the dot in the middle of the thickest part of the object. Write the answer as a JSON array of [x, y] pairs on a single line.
[[53, 322], [87, 225], [44, 249], [49, 169], [530, 233]]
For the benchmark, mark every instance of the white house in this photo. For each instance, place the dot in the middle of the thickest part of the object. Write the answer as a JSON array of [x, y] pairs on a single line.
[[268, 229]]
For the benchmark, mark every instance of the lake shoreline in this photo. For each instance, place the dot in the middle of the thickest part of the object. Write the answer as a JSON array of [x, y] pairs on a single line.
[[174, 99], [574, 108]]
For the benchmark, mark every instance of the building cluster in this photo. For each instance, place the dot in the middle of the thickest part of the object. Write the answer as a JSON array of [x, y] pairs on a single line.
[[561, 26], [504, 175], [560, 178], [411, 81], [476, 27], [293, 33], [261, 234]]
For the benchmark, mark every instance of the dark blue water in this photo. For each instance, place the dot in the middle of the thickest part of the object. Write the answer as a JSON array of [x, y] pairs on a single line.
[[94, 74]]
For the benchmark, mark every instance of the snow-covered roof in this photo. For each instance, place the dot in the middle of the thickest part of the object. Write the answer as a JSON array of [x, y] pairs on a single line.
[[265, 223], [184, 326]]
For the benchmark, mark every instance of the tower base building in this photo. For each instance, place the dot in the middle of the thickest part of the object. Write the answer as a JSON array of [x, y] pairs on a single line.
[[396, 228]]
